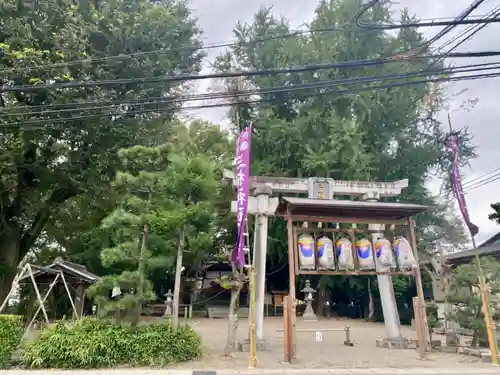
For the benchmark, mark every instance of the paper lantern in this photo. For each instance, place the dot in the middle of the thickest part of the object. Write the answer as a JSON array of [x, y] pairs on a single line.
[[306, 252], [344, 254], [326, 257], [404, 253], [365, 255], [383, 253]]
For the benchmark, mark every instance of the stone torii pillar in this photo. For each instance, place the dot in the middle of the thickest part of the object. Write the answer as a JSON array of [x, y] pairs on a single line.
[[312, 186], [394, 338]]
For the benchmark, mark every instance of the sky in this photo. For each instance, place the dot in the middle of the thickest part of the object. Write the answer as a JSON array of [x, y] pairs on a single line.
[[218, 17]]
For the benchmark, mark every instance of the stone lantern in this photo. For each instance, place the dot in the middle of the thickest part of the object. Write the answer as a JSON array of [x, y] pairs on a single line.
[[308, 298], [168, 304]]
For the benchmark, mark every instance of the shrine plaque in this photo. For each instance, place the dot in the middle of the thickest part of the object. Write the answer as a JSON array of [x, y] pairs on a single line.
[[320, 188]]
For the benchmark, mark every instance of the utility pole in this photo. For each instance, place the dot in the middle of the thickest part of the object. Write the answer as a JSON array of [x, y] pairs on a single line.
[[483, 290]]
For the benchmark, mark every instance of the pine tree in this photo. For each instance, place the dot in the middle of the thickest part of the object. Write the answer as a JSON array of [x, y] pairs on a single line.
[[463, 295], [167, 205]]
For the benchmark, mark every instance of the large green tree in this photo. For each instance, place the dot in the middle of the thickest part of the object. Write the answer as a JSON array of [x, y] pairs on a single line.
[[381, 135], [167, 204], [51, 157], [495, 216]]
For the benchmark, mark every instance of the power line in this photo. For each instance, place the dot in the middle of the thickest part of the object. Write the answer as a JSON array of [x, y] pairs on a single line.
[[248, 73], [460, 17], [488, 181], [261, 91], [472, 30], [189, 48], [480, 177], [37, 123], [433, 23]]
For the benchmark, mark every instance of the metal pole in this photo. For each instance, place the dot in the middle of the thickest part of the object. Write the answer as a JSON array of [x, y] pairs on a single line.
[[291, 283], [51, 286], [483, 290], [37, 291], [252, 319]]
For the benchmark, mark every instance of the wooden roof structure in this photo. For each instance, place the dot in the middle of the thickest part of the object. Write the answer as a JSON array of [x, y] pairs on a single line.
[[347, 210], [491, 247], [74, 273]]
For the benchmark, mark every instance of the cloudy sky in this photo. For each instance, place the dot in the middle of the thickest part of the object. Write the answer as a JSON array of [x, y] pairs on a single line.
[[217, 18]]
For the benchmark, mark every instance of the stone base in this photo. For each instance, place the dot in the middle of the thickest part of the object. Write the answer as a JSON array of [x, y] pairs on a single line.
[[309, 317], [397, 344], [261, 345], [483, 354]]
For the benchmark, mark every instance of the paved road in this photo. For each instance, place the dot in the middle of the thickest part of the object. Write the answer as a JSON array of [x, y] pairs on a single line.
[[335, 371]]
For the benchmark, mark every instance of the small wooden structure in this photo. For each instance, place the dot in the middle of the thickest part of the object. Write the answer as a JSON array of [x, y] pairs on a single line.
[[70, 275], [326, 211]]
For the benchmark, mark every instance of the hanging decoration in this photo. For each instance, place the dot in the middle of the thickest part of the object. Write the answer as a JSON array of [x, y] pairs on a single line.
[[326, 256], [243, 146], [344, 254]]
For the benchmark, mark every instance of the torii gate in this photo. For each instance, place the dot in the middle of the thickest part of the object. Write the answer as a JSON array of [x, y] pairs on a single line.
[[262, 205]]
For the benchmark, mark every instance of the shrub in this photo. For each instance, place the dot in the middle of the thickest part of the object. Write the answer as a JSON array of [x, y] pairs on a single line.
[[11, 331], [92, 343]]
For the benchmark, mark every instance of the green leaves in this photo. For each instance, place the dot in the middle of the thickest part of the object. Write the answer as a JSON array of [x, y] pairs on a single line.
[[495, 216], [162, 189], [89, 343], [11, 331], [44, 44], [463, 294]]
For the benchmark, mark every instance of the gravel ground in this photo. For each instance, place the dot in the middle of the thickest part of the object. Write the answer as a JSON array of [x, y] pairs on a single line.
[[316, 355]]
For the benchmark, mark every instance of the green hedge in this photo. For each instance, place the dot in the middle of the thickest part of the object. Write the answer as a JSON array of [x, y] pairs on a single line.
[[11, 331], [93, 343]]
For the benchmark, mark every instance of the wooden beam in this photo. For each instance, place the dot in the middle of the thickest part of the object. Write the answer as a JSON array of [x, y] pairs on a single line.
[[354, 273], [347, 220]]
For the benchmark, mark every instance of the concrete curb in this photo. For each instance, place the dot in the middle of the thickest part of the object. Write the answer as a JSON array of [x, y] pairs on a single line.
[[334, 371], [360, 371]]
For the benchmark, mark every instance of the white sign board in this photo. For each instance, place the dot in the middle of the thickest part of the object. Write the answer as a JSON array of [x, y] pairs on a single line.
[[319, 336]]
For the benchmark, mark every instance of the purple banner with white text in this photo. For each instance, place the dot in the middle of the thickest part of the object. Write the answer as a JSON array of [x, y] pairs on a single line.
[[243, 146], [452, 143]]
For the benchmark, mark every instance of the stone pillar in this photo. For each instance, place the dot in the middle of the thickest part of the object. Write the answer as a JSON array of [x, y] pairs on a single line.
[[263, 194], [393, 337]]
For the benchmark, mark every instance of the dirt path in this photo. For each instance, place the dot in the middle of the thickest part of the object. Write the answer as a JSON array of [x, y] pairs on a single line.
[[311, 354]]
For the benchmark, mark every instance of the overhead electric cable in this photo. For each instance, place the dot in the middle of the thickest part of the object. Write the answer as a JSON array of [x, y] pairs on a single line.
[[433, 23], [36, 123], [248, 73], [192, 47], [471, 30], [16, 111], [488, 181], [460, 17], [487, 174]]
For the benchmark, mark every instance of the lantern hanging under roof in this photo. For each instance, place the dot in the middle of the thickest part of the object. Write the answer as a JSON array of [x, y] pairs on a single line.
[[307, 256]]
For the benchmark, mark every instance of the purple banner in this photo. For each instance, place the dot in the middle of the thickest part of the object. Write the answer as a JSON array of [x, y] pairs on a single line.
[[454, 148], [243, 146]]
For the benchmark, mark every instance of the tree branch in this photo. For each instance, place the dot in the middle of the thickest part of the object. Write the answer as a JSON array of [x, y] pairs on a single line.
[[58, 196]]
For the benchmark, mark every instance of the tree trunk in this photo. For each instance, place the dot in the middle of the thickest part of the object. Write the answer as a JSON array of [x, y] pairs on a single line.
[[232, 328], [321, 300], [142, 276], [177, 283], [9, 260], [371, 303]]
